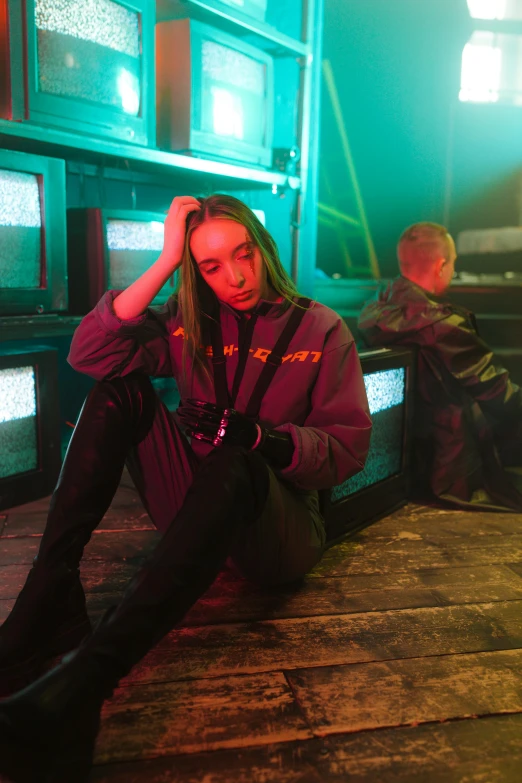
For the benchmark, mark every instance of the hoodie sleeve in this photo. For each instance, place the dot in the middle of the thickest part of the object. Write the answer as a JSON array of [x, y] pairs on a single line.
[[333, 443], [104, 347]]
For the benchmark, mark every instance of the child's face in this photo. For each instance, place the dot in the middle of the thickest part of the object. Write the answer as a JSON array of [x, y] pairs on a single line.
[[230, 262]]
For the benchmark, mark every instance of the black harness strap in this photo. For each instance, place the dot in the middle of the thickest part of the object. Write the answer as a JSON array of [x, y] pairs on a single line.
[[219, 365], [275, 358], [245, 341]]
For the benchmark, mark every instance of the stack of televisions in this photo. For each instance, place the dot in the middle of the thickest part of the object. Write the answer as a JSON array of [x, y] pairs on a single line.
[[213, 97], [89, 67]]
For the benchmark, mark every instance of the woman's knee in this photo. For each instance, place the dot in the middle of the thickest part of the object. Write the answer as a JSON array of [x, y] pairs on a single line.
[[133, 394]]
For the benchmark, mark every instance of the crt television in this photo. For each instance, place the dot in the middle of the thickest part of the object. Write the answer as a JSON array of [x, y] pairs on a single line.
[[80, 65], [214, 94], [110, 248], [384, 483], [30, 455], [33, 251]]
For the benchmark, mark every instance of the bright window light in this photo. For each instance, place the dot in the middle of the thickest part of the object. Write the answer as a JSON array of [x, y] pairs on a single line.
[[481, 69], [487, 9]]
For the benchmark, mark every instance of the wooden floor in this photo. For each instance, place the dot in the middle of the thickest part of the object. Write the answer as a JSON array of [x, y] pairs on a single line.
[[399, 659]]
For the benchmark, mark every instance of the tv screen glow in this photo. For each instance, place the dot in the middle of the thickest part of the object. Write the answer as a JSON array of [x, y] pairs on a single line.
[[232, 101], [33, 258], [89, 50], [18, 422], [215, 93], [133, 246], [386, 391], [20, 230]]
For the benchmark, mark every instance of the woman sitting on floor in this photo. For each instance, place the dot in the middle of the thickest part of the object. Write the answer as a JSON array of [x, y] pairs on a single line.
[[274, 404]]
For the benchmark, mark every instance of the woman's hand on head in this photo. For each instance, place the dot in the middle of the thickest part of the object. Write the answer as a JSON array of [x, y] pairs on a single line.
[[175, 230]]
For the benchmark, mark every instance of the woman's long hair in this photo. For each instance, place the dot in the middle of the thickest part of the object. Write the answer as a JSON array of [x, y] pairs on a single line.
[[197, 301]]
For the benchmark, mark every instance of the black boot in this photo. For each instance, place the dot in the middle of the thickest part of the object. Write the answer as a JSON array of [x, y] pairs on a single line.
[[228, 493], [48, 619], [48, 731], [49, 616]]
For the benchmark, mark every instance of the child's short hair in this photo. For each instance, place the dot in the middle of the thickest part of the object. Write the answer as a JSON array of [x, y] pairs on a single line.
[[421, 245]]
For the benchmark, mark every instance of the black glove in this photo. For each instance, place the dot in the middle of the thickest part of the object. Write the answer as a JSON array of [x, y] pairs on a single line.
[[213, 424]]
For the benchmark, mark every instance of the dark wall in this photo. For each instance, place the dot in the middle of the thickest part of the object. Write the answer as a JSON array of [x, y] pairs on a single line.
[[419, 153]]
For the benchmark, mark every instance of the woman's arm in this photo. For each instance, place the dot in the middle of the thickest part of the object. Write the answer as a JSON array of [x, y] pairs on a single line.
[[137, 297], [333, 443], [122, 335]]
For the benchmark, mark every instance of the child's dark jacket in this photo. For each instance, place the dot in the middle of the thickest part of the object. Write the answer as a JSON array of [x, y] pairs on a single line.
[[469, 415]]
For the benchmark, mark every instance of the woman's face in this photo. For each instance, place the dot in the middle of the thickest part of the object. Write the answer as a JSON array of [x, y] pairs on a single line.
[[230, 263]]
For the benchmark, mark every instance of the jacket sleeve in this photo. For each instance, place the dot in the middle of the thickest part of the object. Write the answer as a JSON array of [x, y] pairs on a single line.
[[474, 366], [333, 443], [105, 347]]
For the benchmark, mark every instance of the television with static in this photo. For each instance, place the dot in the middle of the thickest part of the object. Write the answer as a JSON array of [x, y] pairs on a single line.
[[30, 453], [214, 94], [384, 483], [33, 247], [111, 248], [80, 65]]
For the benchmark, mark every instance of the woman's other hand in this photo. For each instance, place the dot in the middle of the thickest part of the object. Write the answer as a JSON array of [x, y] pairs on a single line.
[[175, 230]]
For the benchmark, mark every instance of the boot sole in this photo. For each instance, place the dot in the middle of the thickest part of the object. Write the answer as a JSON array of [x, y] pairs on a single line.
[[18, 676]]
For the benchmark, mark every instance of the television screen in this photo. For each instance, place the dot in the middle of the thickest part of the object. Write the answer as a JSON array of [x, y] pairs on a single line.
[[133, 246], [383, 484], [18, 423], [233, 89], [386, 393], [83, 65], [90, 51], [110, 249], [214, 93], [30, 454], [20, 230], [32, 234]]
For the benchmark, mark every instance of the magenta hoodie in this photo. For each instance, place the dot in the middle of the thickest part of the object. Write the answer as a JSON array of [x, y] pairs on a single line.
[[317, 394]]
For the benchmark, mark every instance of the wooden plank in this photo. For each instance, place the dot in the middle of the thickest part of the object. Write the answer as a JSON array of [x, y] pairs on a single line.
[[409, 692], [414, 522], [350, 557], [240, 601], [191, 717], [97, 576], [488, 750], [231, 599], [367, 557], [128, 518], [102, 546], [220, 650]]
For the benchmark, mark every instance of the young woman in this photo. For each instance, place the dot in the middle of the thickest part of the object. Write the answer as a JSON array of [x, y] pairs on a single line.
[[273, 409]]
